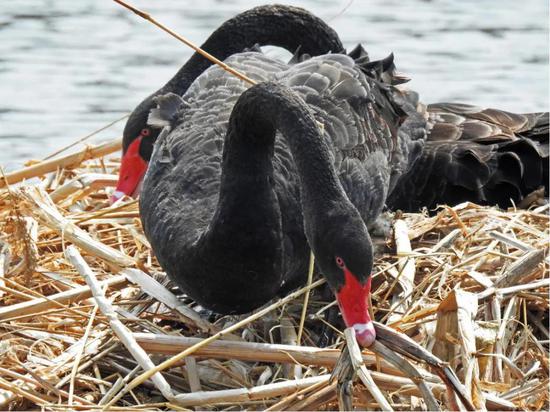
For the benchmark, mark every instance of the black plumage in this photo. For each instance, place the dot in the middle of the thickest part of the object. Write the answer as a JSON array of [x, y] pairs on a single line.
[[190, 183], [486, 156], [292, 28], [235, 195]]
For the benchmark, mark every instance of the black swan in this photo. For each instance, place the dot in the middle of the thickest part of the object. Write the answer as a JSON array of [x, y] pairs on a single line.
[[481, 155], [234, 229], [243, 182], [292, 28]]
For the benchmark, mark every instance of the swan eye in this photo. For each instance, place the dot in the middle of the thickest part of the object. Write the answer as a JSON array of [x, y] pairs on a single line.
[[340, 262], [145, 132]]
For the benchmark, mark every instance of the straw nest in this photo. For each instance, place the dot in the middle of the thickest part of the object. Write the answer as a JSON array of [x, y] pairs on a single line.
[[85, 309]]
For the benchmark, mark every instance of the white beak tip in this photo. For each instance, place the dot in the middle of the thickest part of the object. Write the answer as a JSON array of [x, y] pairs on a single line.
[[365, 333]]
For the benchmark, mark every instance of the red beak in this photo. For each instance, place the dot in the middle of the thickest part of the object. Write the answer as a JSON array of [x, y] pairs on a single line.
[[132, 170], [353, 299]]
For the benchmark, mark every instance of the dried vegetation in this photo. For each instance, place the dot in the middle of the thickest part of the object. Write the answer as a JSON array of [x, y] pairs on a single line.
[[85, 309]]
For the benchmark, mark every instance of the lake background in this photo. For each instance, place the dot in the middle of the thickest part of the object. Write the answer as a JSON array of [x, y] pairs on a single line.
[[70, 67]]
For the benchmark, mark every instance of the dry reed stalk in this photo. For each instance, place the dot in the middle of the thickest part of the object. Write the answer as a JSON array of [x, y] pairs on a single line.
[[118, 328], [247, 351], [25, 392], [49, 215], [161, 294], [315, 399], [39, 382], [171, 32], [406, 267], [244, 395], [289, 337], [74, 159], [411, 371], [284, 404], [363, 372], [306, 297], [87, 181], [462, 307], [79, 355], [31, 307], [218, 335]]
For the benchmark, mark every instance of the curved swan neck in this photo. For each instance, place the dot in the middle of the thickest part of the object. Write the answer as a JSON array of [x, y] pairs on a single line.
[[246, 232], [284, 26], [258, 114]]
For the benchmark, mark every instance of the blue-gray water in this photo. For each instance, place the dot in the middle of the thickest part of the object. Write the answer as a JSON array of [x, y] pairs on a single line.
[[68, 67]]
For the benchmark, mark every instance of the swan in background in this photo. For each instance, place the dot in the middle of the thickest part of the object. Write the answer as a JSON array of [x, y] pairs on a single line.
[[292, 28]]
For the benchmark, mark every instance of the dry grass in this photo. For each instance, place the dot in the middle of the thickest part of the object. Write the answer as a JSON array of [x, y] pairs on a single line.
[[85, 309]]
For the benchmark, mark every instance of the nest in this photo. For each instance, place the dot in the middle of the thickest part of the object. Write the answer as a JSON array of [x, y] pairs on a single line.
[[85, 310]]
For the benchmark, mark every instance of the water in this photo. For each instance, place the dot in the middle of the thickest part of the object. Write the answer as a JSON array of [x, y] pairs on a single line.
[[69, 67]]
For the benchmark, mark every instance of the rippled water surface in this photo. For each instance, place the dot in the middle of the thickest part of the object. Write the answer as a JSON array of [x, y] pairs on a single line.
[[68, 67]]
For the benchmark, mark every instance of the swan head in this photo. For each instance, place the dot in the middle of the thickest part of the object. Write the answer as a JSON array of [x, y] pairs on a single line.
[[140, 134], [137, 147], [344, 253]]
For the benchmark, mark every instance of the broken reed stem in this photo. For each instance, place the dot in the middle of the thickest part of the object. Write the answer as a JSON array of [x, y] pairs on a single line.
[[118, 328], [161, 294], [404, 345], [107, 211], [58, 300], [244, 395], [52, 165], [36, 380], [48, 214], [407, 270], [306, 297], [170, 362], [245, 351], [182, 39], [402, 364], [283, 403], [25, 393], [79, 355], [361, 370]]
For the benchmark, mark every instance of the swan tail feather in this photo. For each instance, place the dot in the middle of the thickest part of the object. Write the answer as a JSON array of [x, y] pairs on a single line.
[[486, 156]]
